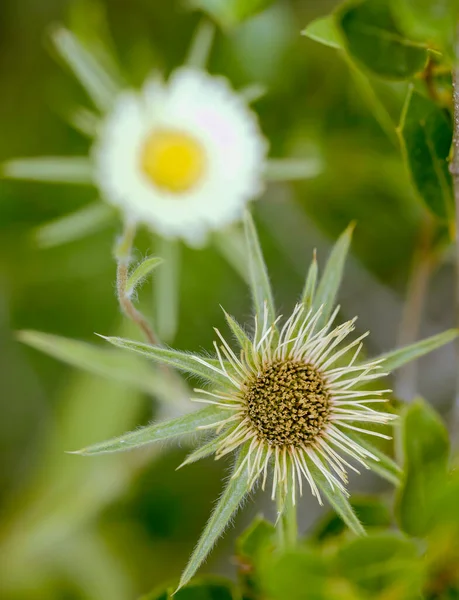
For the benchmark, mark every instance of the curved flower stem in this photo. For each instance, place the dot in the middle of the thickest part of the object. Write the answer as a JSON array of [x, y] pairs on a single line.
[[123, 258], [286, 524]]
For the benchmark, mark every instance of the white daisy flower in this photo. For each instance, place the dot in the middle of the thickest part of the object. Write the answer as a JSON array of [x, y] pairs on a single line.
[[183, 157]]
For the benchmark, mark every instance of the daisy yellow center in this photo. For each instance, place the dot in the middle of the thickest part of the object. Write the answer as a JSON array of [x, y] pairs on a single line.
[[288, 403], [173, 160]]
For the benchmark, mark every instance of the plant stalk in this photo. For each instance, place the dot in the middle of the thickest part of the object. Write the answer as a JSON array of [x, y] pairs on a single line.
[[286, 525], [454, 168]]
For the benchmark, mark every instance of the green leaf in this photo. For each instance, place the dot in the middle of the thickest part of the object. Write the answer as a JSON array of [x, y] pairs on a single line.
[[325, 31], [372, 512], [201, 45], [189, 363], [52, 169], [338, 501], [309, 290], [259, 536], [100, 85], [426, 453], [229, 13], [292, 169], [141, 272], [330, 281], [428, 21], [204, 450], [241, 336], [385, 466], [157, 432], [88, 220], [259, 280], [114, 365], [373, 39], [380, 561], [166, 287], [397, 358], [229, 502], [426, 135]]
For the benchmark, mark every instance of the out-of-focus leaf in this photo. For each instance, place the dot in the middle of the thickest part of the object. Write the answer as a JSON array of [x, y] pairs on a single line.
[[141, 272], [230, 12], [426, 452], [97, 81], [202, 588], [166, 289], [296, 574], [309, 290], [259, 280], [426, 135], [201, 45], [114, 365], [372, 512], [428, 21], [259, 536], [228, 504], [371, 36], [401, 356], [325, 31], [75, 226], [384, 466], [195, 365], [338, 501], [291, 169], [331, 279], [157, 432], [380, 562], [52, 169]]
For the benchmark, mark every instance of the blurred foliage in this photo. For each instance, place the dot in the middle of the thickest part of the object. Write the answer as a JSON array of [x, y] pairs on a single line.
[[115, 527]]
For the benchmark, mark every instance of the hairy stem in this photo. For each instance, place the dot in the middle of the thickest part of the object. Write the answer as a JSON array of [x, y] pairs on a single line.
[[454, 168], [287, 527], [123, 258], [423, 263]]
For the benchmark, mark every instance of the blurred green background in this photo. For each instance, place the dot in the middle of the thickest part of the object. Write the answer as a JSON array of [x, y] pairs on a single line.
[[114, 527]]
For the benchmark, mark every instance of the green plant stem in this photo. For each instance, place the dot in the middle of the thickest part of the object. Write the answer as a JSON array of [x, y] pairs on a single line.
[[123, 258], [454, 168], [287, 526]]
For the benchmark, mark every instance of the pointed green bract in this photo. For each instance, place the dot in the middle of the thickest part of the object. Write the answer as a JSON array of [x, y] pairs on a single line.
[[397, 358], [174, 358], [338, 501], [157, 432], [229, 502], [52, 169], [240, 334], [259, 281], [88, 220], [384, 466], [291, 169], [309, 290], [141, 272], [206, 449], [331, 279], [97, 81], [107, 362]]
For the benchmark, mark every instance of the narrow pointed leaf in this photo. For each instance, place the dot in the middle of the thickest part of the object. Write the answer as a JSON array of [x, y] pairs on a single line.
[[205, 450], [330, 281], [166, 286], [397, 358], [85, 121], [52, 169], [239, 333], [338, 501], [141, 272], [157, 432], [201, 45], [88, 220], [229, 502], [307, 297], [259, 280], [291, 169], [385, 466], [253, 92], [107, 362], [97, 81], [325, 31], [174, 358]]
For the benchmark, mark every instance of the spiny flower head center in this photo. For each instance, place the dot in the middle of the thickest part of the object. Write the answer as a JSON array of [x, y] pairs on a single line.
[[288, 403]]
